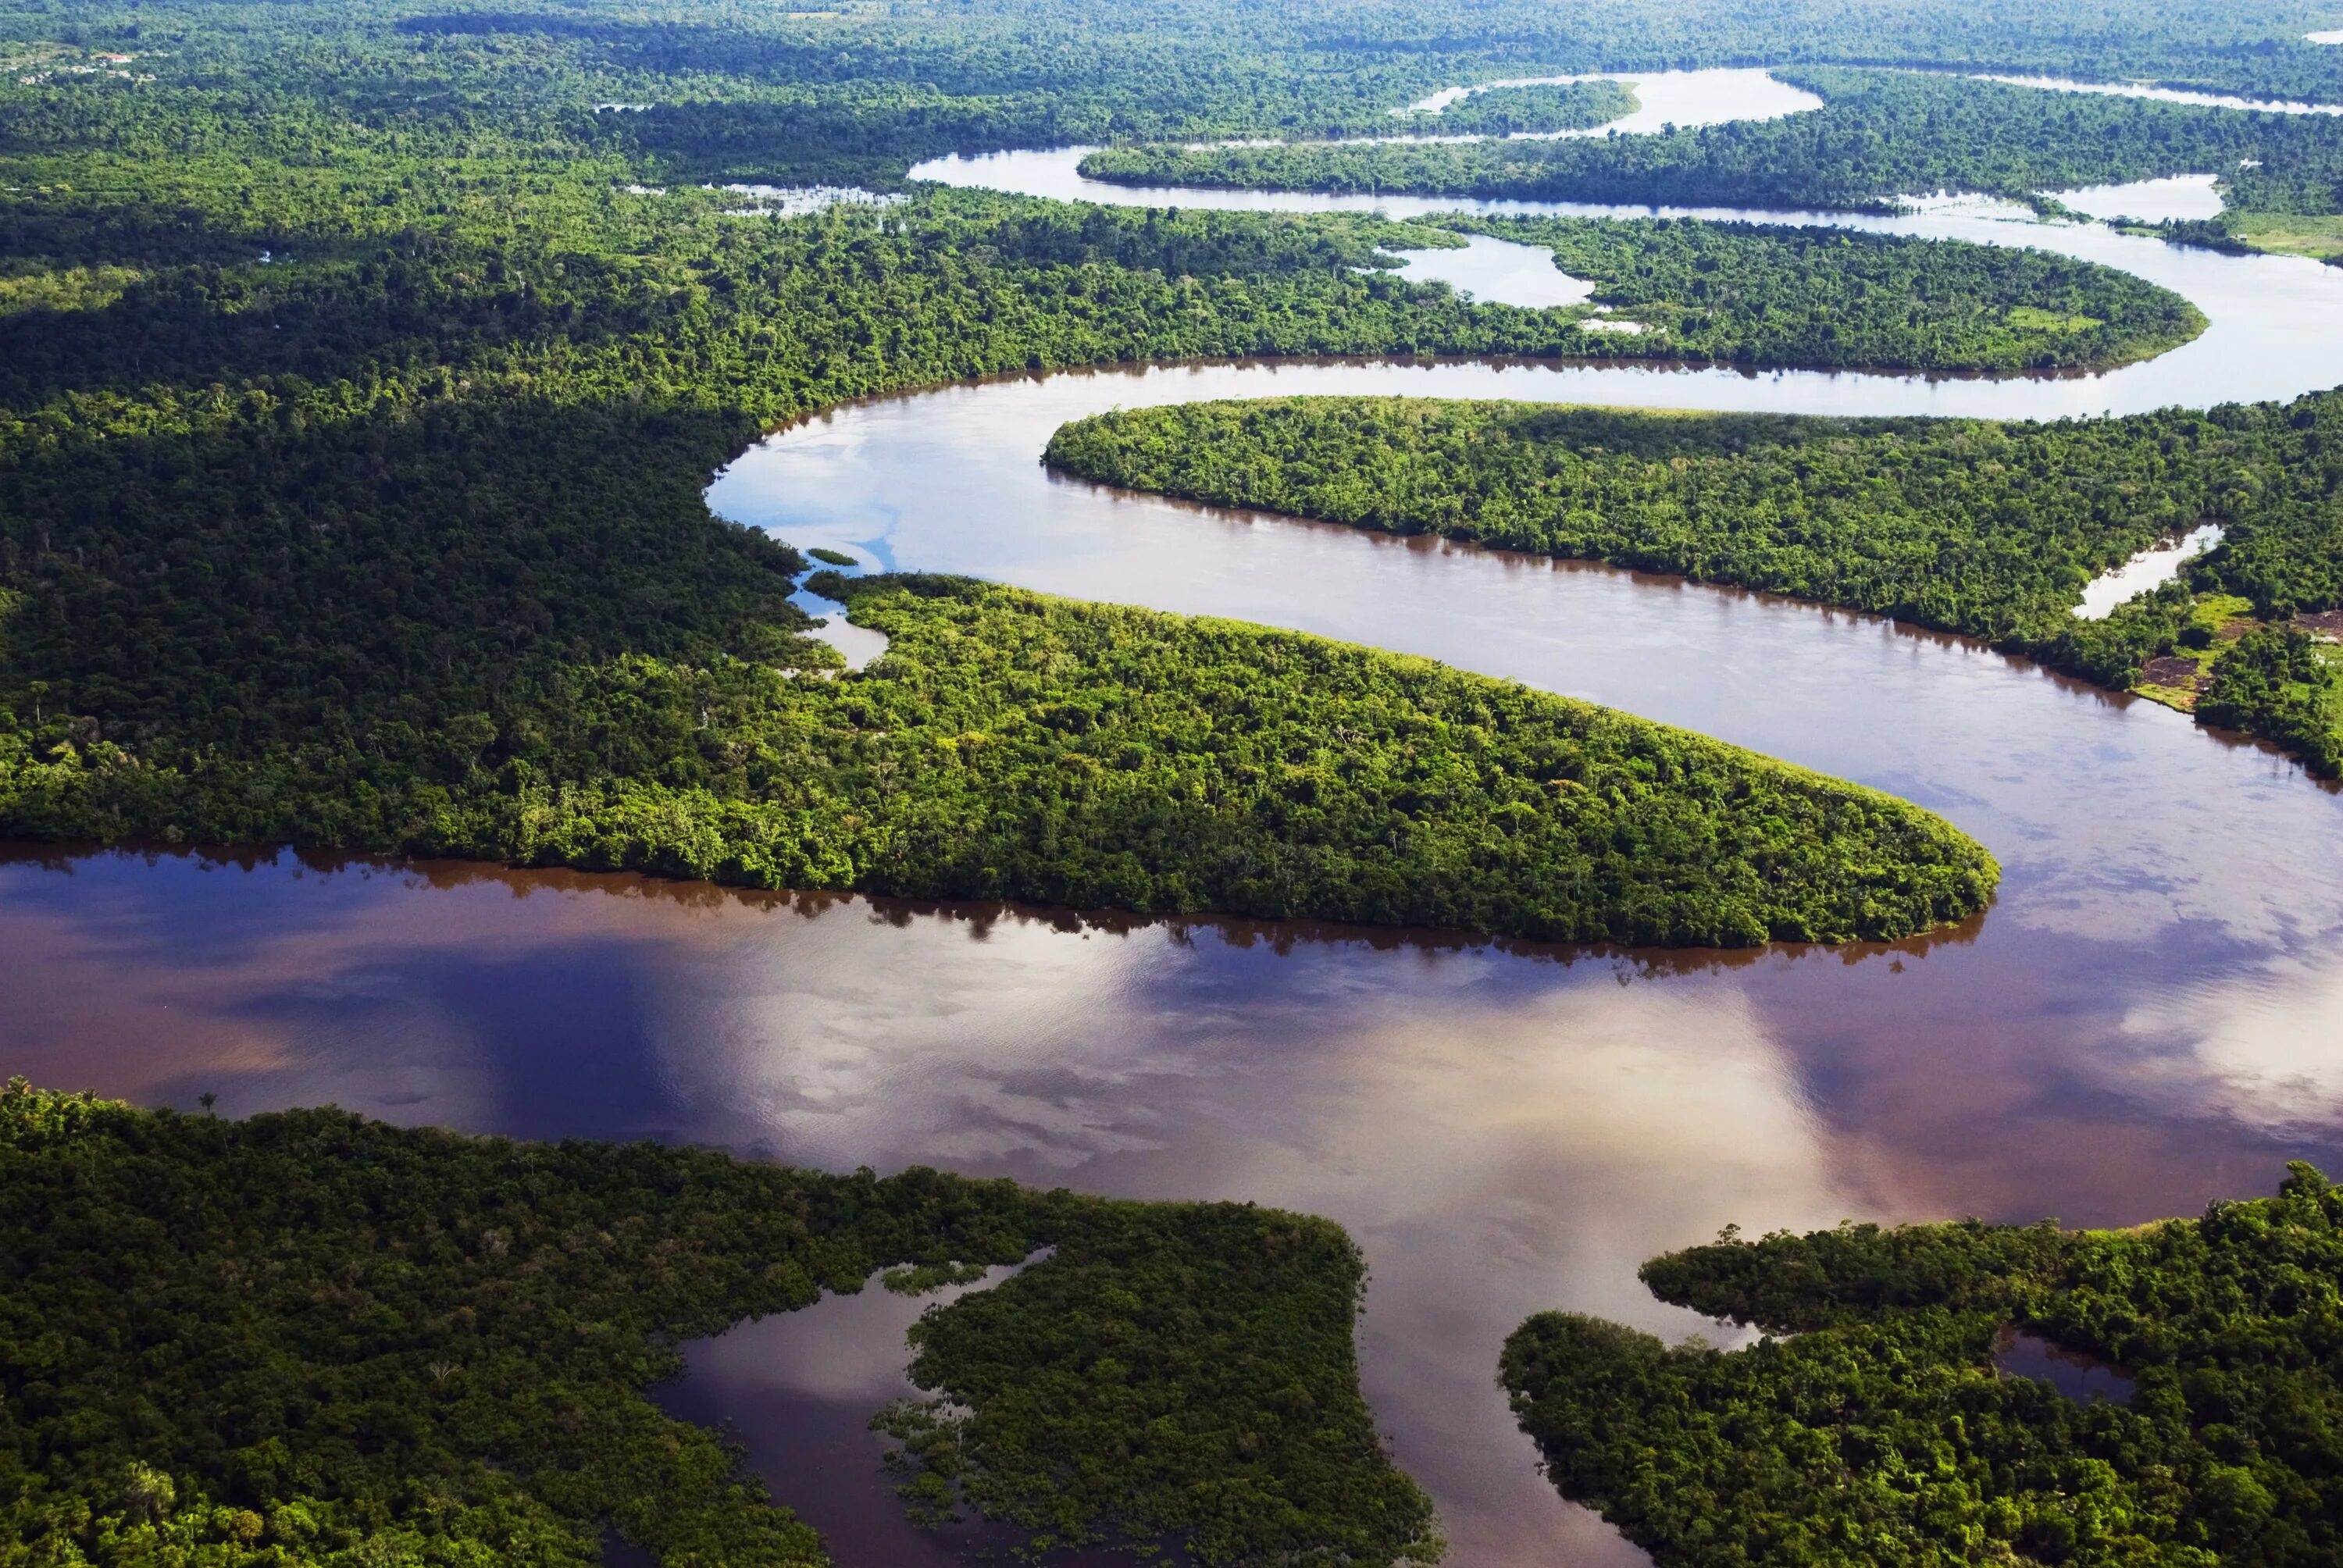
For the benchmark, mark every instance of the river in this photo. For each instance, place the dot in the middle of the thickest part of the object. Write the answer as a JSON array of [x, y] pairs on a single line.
[[2143, 1022]]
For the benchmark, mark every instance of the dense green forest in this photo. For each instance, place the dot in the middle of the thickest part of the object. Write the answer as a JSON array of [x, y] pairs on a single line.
[[1879, 136], [1767, 295], [1011, 745], [1981, 528], [360, 372], [808, 92], [1878, 1429], [308, 1338], [1527, 110]]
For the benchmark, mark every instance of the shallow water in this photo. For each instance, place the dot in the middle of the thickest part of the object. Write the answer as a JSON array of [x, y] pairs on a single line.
[[1498, 271], [2144, 1021], [794, 1389], [2150, 569]]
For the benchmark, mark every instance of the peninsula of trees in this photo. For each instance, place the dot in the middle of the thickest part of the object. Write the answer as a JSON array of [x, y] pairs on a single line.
[[1988, 528], [1526, 110], [1879, 1429], [1764, 293], [1013, 746]]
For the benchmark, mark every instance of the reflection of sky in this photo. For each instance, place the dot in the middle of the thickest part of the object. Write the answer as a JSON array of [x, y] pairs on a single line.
[[2264, 1045], [1501, 1133]]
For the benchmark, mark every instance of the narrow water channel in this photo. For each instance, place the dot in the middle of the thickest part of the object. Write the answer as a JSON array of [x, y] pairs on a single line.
[[2143, 1022]]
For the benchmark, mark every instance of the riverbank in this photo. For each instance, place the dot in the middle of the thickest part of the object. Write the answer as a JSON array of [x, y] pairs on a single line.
[[1991, 530]]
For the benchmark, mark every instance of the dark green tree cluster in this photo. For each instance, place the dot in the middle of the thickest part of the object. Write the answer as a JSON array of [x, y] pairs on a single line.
[[2286, 686], [1038, 1378], [1988, 529], [1775, 295], [1880, 1431], [1878, 138], [311, 1339]]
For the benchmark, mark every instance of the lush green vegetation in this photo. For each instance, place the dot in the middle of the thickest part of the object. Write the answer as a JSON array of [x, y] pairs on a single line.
[[815, 93], [1224, 1334], [2286, 685], [1882, 1433], [308, 1338], [1767, 295], [1011, 745], [358, 504], [1987, 528], [1546, 107], [1879, 136]]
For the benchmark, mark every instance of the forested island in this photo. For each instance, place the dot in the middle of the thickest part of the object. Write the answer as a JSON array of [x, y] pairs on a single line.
[[1877, 1428], [1767, 294], [308, 1338], [1988, 529]]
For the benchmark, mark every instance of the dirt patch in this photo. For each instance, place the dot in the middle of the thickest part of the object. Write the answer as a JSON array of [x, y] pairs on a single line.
[[2323, 623], [2172, 672]]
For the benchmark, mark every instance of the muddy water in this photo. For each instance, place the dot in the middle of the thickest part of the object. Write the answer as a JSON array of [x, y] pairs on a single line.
[[2144, 1021]]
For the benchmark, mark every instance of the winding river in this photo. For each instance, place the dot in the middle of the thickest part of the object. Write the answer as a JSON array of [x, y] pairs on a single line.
[[2144, 1021]]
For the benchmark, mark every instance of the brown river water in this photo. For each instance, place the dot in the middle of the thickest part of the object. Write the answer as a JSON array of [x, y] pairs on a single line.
[[2150, 1016]]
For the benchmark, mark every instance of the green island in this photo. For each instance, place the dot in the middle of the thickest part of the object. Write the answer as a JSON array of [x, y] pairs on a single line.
[[1879, 137], [309, 1338], [1987, 528], [1871, 1425], [1757, 294], [1531, 109]]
